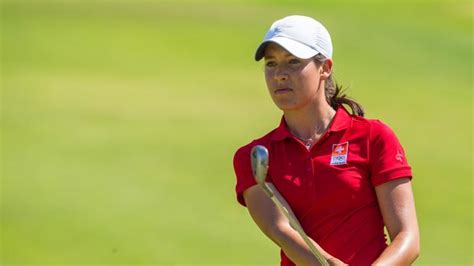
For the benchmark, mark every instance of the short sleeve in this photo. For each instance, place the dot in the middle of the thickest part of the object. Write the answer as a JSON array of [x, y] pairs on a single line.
[[387, 160], [243, 173]]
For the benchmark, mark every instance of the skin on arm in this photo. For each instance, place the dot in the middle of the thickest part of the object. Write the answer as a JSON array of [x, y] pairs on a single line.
[[277, 227], [397, 205]]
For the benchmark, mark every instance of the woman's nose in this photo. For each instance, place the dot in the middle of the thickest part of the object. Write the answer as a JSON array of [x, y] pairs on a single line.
[[281, 74]]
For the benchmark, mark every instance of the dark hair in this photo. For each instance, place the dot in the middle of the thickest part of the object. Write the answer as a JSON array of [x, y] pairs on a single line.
[[335, 94]]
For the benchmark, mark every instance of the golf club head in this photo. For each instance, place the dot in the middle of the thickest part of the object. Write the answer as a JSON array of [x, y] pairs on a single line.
[[259, 158]]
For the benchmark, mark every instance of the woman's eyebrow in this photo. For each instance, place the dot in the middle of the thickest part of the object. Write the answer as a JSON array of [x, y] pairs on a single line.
[[273, 57]]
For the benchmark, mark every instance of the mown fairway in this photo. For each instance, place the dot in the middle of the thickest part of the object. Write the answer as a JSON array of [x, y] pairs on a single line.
[[120, 120]]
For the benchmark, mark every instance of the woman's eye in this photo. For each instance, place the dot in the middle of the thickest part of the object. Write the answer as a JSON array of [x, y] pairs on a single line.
[[294, 61], [270, 64]]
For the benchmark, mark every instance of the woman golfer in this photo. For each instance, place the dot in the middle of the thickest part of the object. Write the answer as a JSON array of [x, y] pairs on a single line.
[[344, 177]]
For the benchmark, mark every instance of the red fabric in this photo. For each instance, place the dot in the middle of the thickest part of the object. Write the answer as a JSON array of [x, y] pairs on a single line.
[[336, 204]]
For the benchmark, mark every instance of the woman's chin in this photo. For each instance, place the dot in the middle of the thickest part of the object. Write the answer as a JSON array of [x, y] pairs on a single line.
[[286, 106]]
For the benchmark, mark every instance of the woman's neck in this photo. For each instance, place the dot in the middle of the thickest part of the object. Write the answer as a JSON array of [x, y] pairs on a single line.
[[310, 123]]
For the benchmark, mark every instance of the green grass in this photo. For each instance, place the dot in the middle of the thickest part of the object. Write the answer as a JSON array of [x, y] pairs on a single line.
[[120, 120]]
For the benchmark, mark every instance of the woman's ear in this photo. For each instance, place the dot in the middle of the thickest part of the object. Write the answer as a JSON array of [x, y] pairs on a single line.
[[326, 69]]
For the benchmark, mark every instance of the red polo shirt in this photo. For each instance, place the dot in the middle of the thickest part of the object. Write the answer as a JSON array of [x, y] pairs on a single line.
[[331, 187]]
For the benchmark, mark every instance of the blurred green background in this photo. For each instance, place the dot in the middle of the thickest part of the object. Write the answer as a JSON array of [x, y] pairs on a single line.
[[120, 120]]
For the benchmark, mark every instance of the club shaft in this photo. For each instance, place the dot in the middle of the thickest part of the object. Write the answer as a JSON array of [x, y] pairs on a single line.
[[295, 224]]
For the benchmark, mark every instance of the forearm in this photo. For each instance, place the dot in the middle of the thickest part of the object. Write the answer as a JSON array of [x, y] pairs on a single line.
[[293, 245], [398, 210], [278, 228], [403, 250]]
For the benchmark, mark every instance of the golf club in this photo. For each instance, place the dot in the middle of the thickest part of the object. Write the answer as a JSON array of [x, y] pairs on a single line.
[[259, 159]]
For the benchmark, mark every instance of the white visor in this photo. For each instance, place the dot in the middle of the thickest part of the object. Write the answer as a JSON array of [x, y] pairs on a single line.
[[303, 37], [293, 47]]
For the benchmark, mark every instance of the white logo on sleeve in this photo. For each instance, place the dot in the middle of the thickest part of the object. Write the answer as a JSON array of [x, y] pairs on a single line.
[[399, 156], [339, 153]]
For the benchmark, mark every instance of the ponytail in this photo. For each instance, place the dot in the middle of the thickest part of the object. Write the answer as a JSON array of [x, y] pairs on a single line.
[[335, 95]]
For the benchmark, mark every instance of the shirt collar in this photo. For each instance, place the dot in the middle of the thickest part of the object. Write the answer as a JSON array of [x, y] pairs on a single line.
[[342, 120]]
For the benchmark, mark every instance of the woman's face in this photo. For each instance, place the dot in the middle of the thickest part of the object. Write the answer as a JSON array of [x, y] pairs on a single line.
[[292, 82]]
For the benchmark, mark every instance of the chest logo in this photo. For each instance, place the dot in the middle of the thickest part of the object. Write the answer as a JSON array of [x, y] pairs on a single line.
[[339, 153]]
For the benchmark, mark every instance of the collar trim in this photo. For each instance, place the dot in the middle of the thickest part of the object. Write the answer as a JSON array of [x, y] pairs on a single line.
[[342, 120]]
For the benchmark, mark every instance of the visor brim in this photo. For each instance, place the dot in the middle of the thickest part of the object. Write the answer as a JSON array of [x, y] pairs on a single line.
[[293, 47]]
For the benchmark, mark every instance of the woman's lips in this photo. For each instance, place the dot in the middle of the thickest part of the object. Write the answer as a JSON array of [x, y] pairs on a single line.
[[283, 90]]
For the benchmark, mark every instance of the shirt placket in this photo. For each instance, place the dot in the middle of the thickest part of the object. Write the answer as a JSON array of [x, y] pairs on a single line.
[[312, 156]]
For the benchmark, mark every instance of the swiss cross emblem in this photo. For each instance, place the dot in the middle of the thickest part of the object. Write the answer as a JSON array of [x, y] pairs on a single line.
[[339, 153]]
